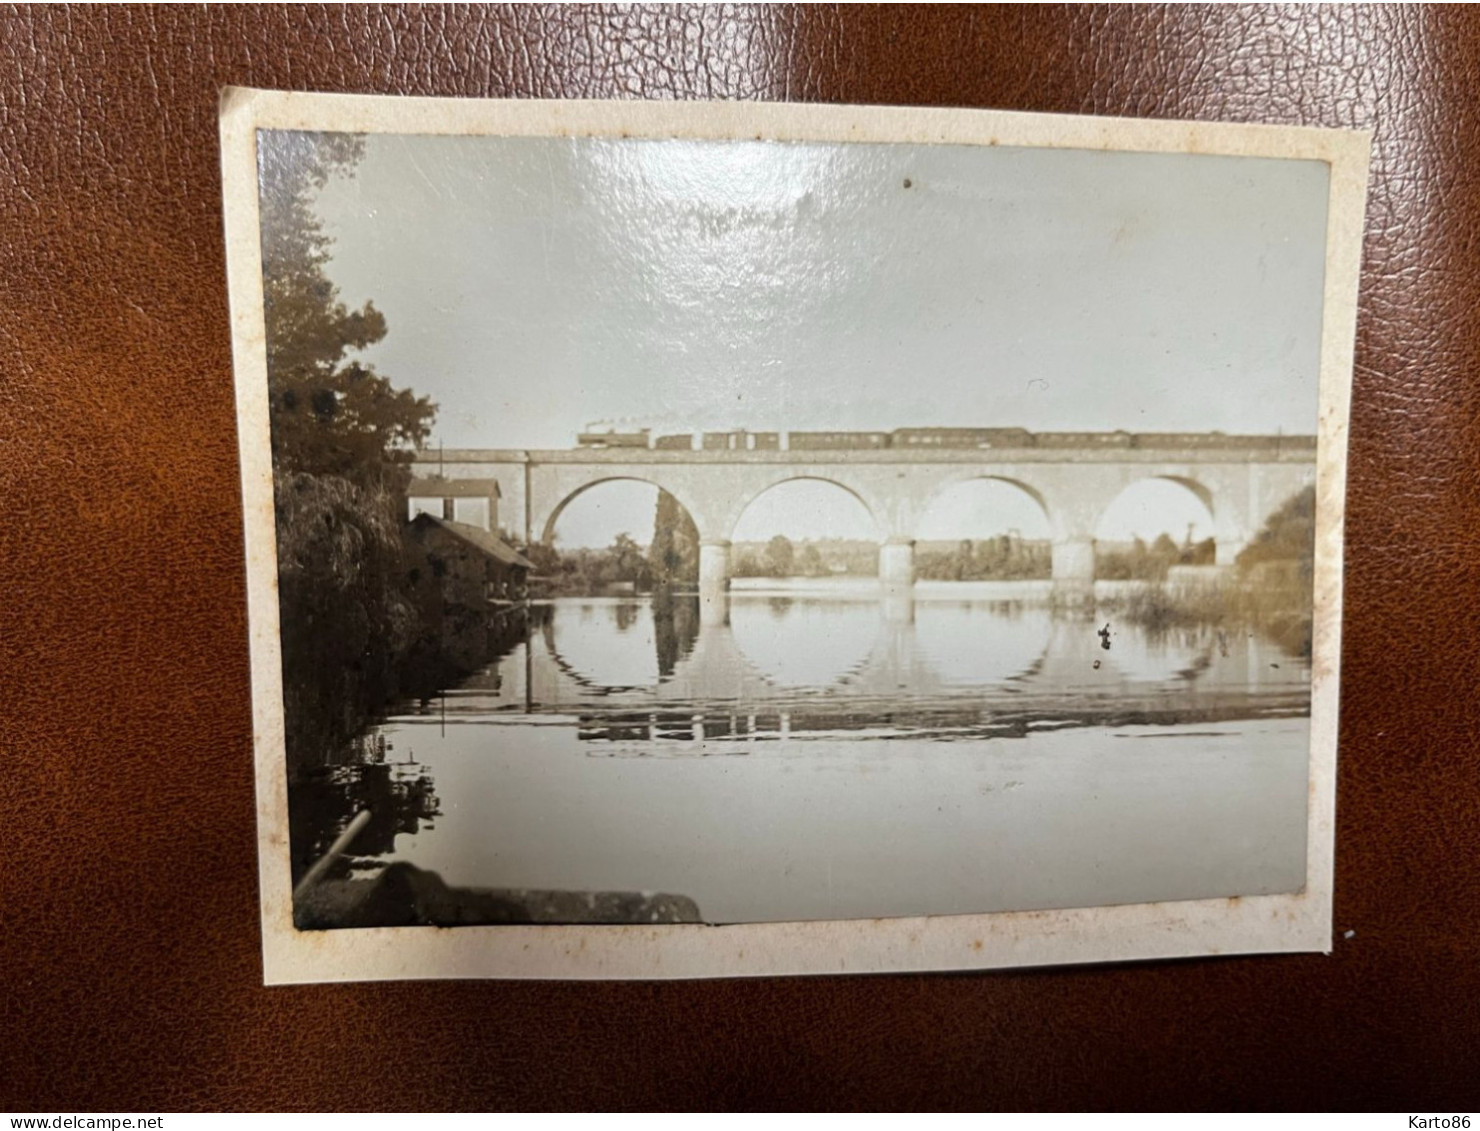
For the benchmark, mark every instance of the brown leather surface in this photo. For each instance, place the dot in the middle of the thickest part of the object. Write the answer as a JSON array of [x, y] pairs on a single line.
[[129, 971]]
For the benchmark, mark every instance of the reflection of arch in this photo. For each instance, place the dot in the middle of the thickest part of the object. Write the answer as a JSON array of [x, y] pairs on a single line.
[[1163, 659], [1193, 487], [602, 662], [559, 509], [868, 507], [956, 482], [979, 645], [810, 644]]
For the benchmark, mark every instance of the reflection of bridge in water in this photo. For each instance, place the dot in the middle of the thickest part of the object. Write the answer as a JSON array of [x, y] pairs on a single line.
[[778, 668]]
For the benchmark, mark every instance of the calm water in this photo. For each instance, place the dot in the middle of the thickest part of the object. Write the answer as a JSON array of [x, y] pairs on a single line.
[[834, 757]]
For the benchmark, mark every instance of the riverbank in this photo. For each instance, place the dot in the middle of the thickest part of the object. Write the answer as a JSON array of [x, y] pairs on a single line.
[[1278, 604]]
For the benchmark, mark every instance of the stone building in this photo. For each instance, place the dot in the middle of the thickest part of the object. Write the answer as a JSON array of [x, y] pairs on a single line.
[[466, 580]]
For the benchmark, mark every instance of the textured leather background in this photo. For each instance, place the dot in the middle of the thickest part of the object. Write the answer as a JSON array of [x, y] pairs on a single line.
[[129, 972]]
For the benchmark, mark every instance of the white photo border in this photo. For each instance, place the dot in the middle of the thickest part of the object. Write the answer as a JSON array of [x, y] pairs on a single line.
[[1295, 922]]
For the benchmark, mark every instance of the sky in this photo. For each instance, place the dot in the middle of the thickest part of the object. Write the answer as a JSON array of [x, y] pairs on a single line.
[[533, 286]]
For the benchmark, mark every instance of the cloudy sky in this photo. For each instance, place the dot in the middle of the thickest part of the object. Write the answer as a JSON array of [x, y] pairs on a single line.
[[533, 286]]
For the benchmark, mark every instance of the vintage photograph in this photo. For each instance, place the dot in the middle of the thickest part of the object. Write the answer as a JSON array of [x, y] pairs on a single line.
[[683, 526]]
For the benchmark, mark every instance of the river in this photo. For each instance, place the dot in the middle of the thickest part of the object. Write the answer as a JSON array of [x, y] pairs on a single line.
[[835, 755]]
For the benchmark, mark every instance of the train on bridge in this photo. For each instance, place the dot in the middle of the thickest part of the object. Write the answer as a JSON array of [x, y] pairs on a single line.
[[917, 439]]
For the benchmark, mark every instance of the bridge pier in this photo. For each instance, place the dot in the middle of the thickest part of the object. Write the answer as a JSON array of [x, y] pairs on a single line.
[[1074, 571], [897, 563], [714, 582]]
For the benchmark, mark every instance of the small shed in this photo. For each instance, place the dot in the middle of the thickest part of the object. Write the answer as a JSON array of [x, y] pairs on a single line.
[[468, 584], [472, 566]]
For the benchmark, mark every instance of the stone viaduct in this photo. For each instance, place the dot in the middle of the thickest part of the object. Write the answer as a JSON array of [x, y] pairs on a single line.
[[527, 490]]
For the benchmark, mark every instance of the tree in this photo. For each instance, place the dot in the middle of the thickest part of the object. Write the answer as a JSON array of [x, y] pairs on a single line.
[[628, 562], [674, 553], [964, 566], [545, 558], [346, 614], [1288, 536], [780, 556], [1199, 553], [330, 414], [1164, 548], [810, 564], [1278, 570], [342, 439]]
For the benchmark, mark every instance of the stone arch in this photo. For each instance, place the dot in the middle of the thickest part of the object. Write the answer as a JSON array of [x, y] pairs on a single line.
[[871, 508], [955, 515], [952, 482], [1194, 487], [1203, 492], [548, 530], [1085, 498]]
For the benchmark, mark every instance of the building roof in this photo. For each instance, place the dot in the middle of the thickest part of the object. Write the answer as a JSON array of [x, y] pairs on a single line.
[[483, 540]]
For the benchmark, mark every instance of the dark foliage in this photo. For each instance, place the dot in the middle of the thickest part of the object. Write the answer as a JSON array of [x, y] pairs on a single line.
[[1289, 536], [342, 439], [1150, 563], [624, 564], [673, 556], [331, 415], [675, 627]]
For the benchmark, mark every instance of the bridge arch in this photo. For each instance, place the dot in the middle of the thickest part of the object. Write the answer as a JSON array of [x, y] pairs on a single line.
[[870, 506], [547, 531], [978, 526], [1151, 523], [1117, 509], [954, 483], [1205, 494]]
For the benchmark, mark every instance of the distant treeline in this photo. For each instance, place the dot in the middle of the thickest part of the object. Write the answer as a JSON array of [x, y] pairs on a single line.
[[1150, 563], [824, 557], [1004, 558]]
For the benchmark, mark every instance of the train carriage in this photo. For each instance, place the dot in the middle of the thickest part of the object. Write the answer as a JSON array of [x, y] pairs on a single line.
[[1082, 440], [742, 440], [837, 441], [913, 438]]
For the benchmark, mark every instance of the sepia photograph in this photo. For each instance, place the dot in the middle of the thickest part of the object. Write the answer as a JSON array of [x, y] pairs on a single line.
[[861, 539]]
